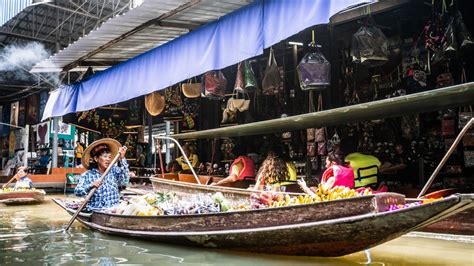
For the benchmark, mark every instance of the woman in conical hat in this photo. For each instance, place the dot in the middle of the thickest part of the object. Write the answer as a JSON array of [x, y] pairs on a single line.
[[97, 158]]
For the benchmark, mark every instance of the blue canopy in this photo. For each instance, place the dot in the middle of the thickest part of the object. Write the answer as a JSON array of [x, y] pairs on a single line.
[[237, 36]]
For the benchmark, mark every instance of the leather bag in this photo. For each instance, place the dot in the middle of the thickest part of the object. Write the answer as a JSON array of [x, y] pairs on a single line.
[[214, 85]]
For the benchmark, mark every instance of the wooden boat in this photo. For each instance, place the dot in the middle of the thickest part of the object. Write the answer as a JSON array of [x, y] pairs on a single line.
[[186, 184], [461, 223], [333, 228], [22, 197]]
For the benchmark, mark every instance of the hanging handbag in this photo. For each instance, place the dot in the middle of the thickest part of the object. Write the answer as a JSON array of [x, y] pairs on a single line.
[[214, 85], [464, 37], [246, 103], [249, 77], [191, 89], [320, 133], [271, 78], [239, 79], [370, 46], [314, 71], [310, 132]]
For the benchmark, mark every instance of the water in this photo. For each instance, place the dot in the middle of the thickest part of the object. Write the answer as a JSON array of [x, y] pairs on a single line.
[[33, 235]]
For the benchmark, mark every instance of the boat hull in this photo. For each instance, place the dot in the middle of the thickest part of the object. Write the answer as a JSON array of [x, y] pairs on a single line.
[[333, 237], [252, 218], [22, 197]]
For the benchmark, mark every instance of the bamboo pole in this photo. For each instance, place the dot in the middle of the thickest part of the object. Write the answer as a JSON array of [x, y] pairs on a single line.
[[445, 158], [92, 192]]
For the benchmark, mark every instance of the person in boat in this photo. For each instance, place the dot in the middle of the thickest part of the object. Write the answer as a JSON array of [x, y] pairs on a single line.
[[275, 172], [97, 158], [192, 156], [173, 167], [22, 179], [242, 168], [337, 172], [365, 166]]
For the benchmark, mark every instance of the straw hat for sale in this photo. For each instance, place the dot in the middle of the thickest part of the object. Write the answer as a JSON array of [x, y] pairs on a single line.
[[97, 145], [154, 103]]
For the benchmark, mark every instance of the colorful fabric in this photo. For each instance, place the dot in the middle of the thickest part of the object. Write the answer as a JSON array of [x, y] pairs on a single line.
[[24, 182], [107, 195]]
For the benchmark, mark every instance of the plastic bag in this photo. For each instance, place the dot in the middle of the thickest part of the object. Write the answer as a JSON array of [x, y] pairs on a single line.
[[464, 37], [314, 71], [369, 46]]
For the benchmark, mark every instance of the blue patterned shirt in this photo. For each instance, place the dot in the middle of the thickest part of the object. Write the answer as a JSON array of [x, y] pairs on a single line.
[[24, 182], [107, 195]]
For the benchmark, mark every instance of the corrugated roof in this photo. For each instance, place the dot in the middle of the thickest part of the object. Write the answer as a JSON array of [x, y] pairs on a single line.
[[147, 26], [9, 9]]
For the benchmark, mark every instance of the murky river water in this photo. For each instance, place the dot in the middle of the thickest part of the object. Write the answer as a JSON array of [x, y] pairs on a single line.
[[33, 235]]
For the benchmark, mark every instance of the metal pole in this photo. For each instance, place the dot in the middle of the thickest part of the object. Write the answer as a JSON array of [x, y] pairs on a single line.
[[184, 155], [168, 132], [55, 142], [25, 143]]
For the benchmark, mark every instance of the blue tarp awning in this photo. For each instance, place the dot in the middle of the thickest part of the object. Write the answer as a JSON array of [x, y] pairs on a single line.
[[235, 37]]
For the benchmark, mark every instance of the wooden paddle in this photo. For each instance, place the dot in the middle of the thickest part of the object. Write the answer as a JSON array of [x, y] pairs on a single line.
[[6, 184], [445, 158], [92, 192]]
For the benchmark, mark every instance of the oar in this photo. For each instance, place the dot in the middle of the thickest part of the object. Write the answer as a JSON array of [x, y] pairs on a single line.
[[161, 160], [446, 156], [13, 178], [92, 192]]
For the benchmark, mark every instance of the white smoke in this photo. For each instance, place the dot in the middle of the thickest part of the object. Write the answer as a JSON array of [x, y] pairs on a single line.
[[17, 60]]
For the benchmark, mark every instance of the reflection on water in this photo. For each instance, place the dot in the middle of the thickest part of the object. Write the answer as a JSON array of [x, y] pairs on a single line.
[[34, 234]]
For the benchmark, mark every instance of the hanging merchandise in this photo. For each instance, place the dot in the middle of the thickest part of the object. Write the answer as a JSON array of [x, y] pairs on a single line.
[[249, 77], [191, 89], [450, 45], [154, 103], [469, 158], [271, 78], [314, 71], [190, 113], [464, 37], [214, 85], [227, 149], [240, 101], [173, 104], [229, 112], [239, 79], [334, 142], [369, 45]]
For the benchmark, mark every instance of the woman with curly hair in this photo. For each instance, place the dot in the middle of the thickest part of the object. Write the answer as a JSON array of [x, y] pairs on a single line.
[[275, 171]]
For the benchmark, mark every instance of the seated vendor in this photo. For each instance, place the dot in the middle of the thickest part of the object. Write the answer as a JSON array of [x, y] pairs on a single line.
[[241, 169], [192, 156], [22, 180], [173, 167], [337, 173]]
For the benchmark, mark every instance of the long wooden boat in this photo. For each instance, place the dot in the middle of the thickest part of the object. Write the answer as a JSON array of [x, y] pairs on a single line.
[[22, 197], [185, 184], [285, 230]]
